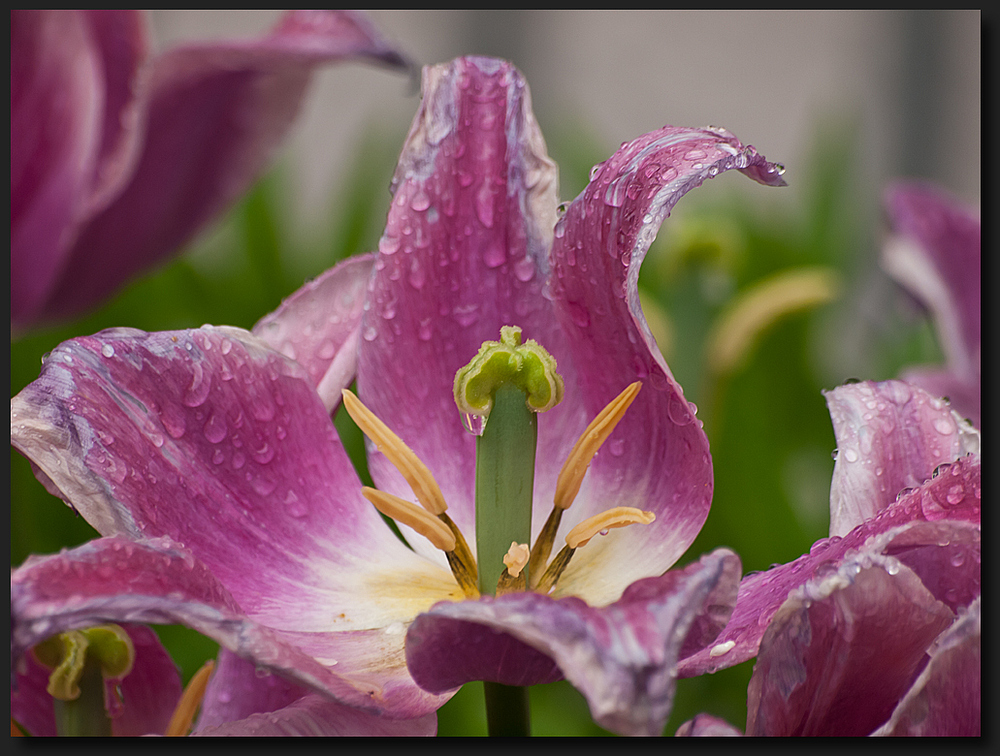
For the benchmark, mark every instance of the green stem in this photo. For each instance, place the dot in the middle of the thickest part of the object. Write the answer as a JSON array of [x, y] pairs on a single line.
[[507, 710], [505, 476], [86, 714]]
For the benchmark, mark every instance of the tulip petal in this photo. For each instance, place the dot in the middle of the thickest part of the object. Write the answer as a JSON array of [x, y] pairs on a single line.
[[946, 700], [240, 700], [936, 539], [936, 254], [193, 433], [315, 716], [214, 115], [463, 253], [319, 326], [73, 134], [842, 651], [707, 726], [159, 581], [149, 692], [890, 437], [658, 457], [621, 656], [237, 689]]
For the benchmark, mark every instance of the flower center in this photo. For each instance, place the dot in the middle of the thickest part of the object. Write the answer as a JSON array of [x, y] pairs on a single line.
[[507, 383]]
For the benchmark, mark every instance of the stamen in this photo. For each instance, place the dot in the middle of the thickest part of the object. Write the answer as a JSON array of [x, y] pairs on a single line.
[[516, 558], [512, 579], [617, 517], [579, 459], [414, 471], [187, 707], [402, 511], [543, 547], [440, 531], [555, 570]]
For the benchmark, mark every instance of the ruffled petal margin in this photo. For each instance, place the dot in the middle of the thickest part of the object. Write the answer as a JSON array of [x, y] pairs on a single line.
[[658, 455], [621, 656]]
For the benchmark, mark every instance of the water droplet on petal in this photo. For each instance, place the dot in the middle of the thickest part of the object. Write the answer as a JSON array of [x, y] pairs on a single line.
[[107, 350]]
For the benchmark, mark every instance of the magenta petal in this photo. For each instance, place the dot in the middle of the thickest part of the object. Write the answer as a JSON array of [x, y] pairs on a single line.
[[890, 437], [936, 253], [943, 546], [72, 124], [659, 452], [158, 581], [946, 700], [242, 699], [316, 716], [194, 434], [463, 254], [149, 693], [707, 726], [237, 689], [319, 326], [621, 656], [213, 115], [842, 651]]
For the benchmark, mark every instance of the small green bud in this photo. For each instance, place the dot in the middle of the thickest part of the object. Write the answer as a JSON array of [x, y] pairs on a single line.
[[508, 362]]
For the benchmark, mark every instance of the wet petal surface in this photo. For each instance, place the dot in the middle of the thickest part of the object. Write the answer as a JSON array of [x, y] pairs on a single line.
[[621, 657]]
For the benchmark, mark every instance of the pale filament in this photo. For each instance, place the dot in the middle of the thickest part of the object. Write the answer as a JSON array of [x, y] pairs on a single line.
[[579, 459], [409, 514], [414, 471]]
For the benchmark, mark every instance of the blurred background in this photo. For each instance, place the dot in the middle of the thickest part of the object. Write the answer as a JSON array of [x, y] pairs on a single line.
[[847, 101]]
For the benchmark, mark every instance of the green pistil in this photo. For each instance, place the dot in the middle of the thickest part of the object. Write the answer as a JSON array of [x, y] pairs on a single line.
[[505, 476], [80, 661], [507, 382]]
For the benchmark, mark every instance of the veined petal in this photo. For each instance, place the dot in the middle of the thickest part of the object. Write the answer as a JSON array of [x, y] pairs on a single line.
[[159, 581], [213, 115], [319, 326], [149, 692], [939, 543], [890, 437], [936, 254], [658, 456], [946, 700], [463, 253], [73, 134], [316, 716], [842, 651], [241, 701], [621, 657], [236, 690], [707, 726], [216, 441]]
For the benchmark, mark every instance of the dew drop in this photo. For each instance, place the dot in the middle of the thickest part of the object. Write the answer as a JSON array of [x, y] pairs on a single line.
[[850, 455], [944, 425], [722, 648], [474, 423], [197, 391], [388, 245], [524, 269], [107, 350]]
